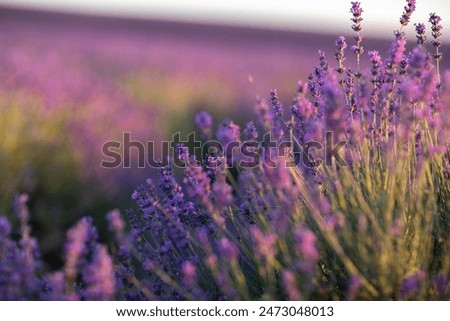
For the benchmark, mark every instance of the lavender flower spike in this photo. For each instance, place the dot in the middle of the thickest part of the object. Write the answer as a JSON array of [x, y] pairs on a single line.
[[356, 11], [5, 228], [223, 193], [341, 44], [115, 222], [228, 249], [204, 122], [276, 104], [420, 30], [21, 209], [306, 244], [397, 48], [76, 246], [436, 28], [100, 276], [412, 284], [376, 62], [409, 9], [289, 286], [189, 274], [250, 132]]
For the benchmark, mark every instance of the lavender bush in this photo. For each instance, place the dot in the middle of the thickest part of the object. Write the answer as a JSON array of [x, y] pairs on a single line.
[[372, 226]]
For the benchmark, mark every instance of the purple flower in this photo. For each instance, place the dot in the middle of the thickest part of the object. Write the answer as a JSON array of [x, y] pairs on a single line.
[[229, 251], [172, 194], [377, 78], [334, 222], [436, 28], [397, 48], [420, 30], [250, 132], [189, 274], [215, 167], [228, 132], [409, 9], [204, 122], [340, 44], [354, 285], [314, 88], [264, 244], [428, 87], [277, 170], [198, 181], [223, 193], [182, 153], [115, 221], [55, 287], [133, 220], [99, 276], [418, 142], [75, 247], [290, 286], [5, 228], [302, 109], [264, 115], [358, 49], [21, 208], [420, 65], [376, 62], [441, 283], [349, 89], [404, 63], [412, 284], [277, 107], [356, 11], [305, 244], [323, 64]]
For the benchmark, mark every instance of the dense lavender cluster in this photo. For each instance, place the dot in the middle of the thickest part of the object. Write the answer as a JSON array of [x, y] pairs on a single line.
[[373, 227]]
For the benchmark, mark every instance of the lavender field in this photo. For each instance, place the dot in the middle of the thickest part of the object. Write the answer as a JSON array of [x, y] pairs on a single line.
[[324, 173], [71, 83]]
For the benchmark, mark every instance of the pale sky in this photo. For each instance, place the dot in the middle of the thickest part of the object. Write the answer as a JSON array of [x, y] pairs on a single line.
[[319, 15]]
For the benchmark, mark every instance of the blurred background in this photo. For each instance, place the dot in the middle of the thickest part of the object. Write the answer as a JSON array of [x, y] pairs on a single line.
[[75, 74]]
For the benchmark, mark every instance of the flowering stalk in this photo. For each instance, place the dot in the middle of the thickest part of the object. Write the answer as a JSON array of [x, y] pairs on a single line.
[[357, 11], [408, 10], [421, 37], [436, 28], [341, 45]]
